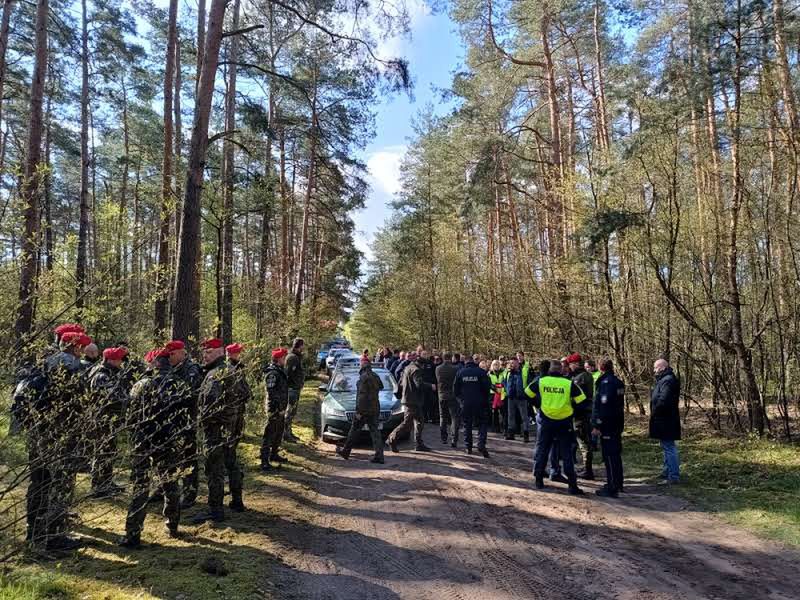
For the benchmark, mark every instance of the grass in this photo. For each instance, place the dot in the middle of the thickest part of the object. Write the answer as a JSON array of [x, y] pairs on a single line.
[[751, 483], [164, 567]]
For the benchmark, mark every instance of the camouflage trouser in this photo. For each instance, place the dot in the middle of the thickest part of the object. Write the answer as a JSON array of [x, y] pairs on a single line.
[[191, 480], [273, 435], [221, 458], [104, 451], [145, 466], [65, 463], [291, 410], [38, 493], [583, 433]]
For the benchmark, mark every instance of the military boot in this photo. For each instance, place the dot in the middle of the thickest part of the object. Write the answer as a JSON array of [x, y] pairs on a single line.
[[213, 515], [130, 540], [236, 504], [345, 454]]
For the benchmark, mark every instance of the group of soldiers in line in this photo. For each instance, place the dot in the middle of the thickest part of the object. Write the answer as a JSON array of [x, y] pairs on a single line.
[[576, 408], [74, 408]]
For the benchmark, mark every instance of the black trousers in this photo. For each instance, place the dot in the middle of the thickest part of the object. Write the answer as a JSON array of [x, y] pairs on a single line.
[[560, 433], [371, 421], [612, 456]]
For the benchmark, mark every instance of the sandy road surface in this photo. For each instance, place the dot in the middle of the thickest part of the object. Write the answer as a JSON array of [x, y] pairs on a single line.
[[449, 526]]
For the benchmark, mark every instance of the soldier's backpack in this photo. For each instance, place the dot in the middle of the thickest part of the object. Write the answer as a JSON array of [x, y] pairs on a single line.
[[28, 396]]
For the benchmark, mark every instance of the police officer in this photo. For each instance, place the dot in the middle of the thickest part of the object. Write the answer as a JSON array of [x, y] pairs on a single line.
[[296, 376], [558, 400], [107, 397], [277, 400], [608, 421], [52, 419], [368, 408], [412, 389], [472, 387], [190, 373], [583, 428], [157, 418], [219, 408]]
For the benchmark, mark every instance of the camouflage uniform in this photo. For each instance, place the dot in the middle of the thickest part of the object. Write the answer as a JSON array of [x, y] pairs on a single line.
[[107, 399], [157, 417], [276, 402], [191, 375], [221, 402], [53, 423], [296, 377]]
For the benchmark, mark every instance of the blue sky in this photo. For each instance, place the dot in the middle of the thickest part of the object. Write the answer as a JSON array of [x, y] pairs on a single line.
[[434, 51]]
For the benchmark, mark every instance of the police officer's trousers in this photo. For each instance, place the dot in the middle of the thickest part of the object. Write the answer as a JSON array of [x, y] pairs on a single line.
[[480, 415], [555, 432], [612, 456]]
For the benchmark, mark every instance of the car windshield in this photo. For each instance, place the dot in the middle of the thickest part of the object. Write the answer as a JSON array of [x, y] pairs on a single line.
[[345, 381]]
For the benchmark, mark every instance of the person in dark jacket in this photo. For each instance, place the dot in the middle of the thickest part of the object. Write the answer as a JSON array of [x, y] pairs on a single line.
[[517, 402], [412, 387], [277, 399], [430, 401], [390, 361], [608, 422], [472, 388], [449, 408], [583, 428], [665, 418], [296, 377], [368, 408], [401, 365]]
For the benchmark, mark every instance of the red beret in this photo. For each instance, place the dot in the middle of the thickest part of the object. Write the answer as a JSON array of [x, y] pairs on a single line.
[[574, 358], [71, 337], [68, 328], [234, 348], [149, 356], [84, 340], [174, 345], [279, 353], [212, 344], [115, 353], [160, 353]]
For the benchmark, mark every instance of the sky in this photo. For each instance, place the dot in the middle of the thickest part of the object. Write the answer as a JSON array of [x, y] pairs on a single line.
[[434, 52]]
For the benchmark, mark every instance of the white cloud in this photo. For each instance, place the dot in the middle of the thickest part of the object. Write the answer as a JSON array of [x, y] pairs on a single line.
[[418, 13], [384, 169]]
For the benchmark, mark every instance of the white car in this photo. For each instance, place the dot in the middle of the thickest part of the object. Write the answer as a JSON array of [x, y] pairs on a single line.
[[332, 360]]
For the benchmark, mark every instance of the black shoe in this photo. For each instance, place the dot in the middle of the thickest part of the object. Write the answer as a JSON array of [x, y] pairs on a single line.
[[215, 516], [342, 452], [526, 437], [559, 478], [469, 450], [454, 445], [510, 437], [278, 459], [574, 490], [444, 438], [290, 437], [588, 475], [63, 543], [266, 467], [237, 506], [539, 483], [422, 448], [485, 453], [378, 460], [604, 492], [173, 532], [156, 498], [393, 446], [130, 541]]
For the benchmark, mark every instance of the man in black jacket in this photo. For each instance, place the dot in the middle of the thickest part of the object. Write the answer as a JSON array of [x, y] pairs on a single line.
[[608, 421], [472, 388], [449, 409], [665, 418], [277, 399], [412, 388]]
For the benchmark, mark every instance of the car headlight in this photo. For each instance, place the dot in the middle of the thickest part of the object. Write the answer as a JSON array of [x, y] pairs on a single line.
[[334, 410]]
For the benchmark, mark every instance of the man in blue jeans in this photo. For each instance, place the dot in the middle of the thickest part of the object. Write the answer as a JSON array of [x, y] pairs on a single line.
[[665, 418]]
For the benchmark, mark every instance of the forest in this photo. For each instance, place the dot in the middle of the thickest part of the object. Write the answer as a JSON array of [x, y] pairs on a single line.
[[618, 178]]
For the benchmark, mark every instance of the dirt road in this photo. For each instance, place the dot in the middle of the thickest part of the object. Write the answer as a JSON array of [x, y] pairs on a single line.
[[449, 526]]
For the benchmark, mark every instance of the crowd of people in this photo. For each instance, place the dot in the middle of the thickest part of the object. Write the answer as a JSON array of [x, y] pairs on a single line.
[[74, 403], [576, 408]]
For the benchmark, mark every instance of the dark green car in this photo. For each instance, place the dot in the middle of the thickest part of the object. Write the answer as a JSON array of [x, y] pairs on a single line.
[[338, 405]]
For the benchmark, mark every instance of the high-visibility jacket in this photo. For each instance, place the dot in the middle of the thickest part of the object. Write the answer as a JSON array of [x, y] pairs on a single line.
[[557, 397], [498, 393], [526, 370], [596, 375]]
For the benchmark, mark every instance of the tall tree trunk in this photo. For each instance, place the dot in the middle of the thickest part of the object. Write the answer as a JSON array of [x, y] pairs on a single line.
[[122, 229], [227, 196], [301, 268], [48, 198], [83, 223], [165, 215], [5, 21], [185, 316], [178, 196], [29, 192], [201, 41]]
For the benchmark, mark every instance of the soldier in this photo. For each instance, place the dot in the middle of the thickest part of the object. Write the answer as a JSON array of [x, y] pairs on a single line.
[[91, 356], [368, 409], [296, 376], [277, 399], [53, 420], [234, 352], [107, 397], [583, 428], [219, 406], [190, 373], [157, 418]]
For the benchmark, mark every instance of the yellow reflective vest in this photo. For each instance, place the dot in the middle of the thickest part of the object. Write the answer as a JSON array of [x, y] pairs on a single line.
[[556, 396], [498, 378]]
